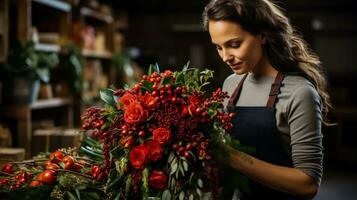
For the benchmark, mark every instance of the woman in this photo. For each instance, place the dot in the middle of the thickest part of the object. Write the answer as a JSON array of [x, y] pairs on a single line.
[[278, 94]]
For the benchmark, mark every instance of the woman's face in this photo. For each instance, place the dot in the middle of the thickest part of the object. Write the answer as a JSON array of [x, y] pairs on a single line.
[[241, 50]]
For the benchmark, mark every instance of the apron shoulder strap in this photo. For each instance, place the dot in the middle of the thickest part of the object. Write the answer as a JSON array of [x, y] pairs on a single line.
[[234, 98], [275, 90]]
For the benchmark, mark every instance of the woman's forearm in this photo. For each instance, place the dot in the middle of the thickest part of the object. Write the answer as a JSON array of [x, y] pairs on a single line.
[[284, 179]]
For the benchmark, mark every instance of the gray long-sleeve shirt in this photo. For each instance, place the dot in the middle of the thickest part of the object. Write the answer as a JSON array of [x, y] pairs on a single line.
[[298, 116]]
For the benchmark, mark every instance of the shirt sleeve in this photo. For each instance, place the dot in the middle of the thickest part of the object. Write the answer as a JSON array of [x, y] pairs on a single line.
[[304, 117], [229, 85]]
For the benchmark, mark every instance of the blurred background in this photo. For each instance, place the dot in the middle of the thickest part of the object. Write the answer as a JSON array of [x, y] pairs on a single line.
[[55, 55]]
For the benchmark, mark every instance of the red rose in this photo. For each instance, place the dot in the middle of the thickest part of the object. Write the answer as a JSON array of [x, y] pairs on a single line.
[[158, 180], [193, 104], [138, 157], [149, 101], [155, 151], [135, 113], [126, 100], [161, 135]]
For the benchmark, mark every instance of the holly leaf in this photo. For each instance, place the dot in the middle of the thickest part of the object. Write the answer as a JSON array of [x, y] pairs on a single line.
[[107, 95]]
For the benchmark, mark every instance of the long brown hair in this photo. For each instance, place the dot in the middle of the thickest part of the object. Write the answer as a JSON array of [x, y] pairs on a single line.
[[285, 48]]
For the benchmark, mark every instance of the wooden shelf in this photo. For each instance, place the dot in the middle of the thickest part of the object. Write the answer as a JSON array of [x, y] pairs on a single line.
[[51, 48], [50, 103], [93, 54], [58, 5], [96, 15], [24, 119], [56, 131], [17, 110]]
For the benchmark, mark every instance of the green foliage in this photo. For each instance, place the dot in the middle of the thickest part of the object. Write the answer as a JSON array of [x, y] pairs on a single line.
[[193, 78], [73, 64], [107, 95], [91, 148], [25, 61], [40, 192], [154, 68]]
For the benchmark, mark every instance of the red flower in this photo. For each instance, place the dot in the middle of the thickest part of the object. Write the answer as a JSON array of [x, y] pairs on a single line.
[[138, 157], [155, 151], [126, 100], [149, 101], [135, 113], [161, 135], [158, 180], [193, 104]]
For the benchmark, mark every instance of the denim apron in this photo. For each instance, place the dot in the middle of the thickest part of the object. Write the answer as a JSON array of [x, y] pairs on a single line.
[[256, 127]]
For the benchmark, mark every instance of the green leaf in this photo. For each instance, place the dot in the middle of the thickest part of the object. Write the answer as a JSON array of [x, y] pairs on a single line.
[[180, 78], [185, 67], [153, 68], [191, 177], [212, 112], [173, 183], [166, 80], [144, 89], [145, 185], [61, 164], [182, 195], [71, 196], [148, 84], [127, 185], [118, 196], [199, 192], [78, 194], [200, 183], [166, 195], [44, 74], [173, 168], [181, 170], [126, 87], [157, 68], [171, 157], [185, 165], [191, 197], [107, 95]]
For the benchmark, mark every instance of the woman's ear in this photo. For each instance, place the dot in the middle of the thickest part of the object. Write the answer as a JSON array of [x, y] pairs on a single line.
[[263, 39]]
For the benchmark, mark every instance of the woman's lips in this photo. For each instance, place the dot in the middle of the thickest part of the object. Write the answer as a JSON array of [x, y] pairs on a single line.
[[236, 66]]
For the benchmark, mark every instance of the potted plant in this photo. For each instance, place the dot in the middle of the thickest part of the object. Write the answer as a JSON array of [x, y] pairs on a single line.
[[72, 62], [23, 71]]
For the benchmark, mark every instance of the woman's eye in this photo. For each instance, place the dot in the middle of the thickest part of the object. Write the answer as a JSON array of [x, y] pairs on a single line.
[[218, 48], [235, 45]]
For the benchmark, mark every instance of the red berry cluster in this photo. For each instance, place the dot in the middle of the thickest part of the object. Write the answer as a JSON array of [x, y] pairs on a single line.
[[99, 173], [219, 95], [225, 120], [202, 144], [184, 150], [20, 180], [91, 118]]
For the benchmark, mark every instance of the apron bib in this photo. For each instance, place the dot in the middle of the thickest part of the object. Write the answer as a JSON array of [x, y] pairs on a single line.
[[256, 127]]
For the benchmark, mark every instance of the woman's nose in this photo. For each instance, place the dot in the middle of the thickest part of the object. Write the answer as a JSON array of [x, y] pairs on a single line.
[[226, 56]]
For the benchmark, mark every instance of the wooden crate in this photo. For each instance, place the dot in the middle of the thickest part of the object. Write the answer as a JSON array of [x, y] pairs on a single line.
[[11, 154]]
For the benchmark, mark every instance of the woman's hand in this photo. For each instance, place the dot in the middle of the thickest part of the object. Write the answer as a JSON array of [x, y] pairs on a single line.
[[285, 179]]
